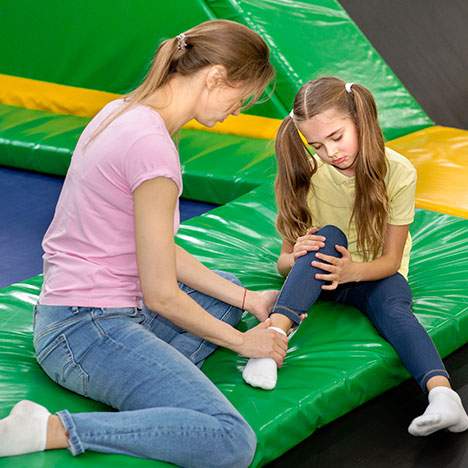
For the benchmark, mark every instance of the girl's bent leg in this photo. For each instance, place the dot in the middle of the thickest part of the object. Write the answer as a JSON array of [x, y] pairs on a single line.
[[168, 409], [300, 289]]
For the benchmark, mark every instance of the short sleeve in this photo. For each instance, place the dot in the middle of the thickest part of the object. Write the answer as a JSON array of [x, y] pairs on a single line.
[[402, 199], [149, 157]]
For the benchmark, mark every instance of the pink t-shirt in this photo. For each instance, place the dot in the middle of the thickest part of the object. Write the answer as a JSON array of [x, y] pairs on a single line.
[[90, 252]]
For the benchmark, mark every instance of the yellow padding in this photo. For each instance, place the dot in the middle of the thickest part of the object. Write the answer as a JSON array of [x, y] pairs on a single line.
[[440, 155], [62, 99]]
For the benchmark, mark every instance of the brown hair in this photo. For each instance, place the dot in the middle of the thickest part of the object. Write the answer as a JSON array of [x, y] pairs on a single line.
[[296, 166], [243, 53]]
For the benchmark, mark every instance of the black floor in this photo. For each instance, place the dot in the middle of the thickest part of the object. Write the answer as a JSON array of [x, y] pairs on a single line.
[[375, 434]]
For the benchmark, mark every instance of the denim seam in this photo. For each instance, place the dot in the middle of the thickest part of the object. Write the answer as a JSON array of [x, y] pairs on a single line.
[[158, 431], [148, 362], [290, 313], [57, 326], [228, 310], [74, 443], [84, 375], [61, 341], [441, 372]]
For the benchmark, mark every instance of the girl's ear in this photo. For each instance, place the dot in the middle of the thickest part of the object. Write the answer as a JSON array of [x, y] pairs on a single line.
[[215, 76]]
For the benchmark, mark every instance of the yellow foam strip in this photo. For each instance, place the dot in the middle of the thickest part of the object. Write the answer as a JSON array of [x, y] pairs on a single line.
[[63, 99], [440, 155]]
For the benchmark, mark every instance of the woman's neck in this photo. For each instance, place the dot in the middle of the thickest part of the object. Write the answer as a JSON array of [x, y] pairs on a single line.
[[175, 102]]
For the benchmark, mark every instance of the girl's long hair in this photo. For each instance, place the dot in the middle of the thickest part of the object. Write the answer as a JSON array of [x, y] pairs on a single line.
[[296, 166], [243, 53]]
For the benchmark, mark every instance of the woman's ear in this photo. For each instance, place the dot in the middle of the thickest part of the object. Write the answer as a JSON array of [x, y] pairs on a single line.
[[216, 76]]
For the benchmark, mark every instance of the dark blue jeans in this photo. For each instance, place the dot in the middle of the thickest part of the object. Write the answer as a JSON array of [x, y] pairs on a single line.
[[386, 302]]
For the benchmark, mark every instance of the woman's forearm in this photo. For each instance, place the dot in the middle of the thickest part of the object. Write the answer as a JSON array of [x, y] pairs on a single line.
[[183, 311], [194, 274]]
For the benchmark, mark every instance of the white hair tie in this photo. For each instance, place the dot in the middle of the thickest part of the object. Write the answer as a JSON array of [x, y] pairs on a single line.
[[291, 114], [348, 87], [181, 44]]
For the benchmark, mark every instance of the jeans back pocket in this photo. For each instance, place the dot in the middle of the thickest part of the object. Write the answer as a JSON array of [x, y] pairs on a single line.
[[58, 362]]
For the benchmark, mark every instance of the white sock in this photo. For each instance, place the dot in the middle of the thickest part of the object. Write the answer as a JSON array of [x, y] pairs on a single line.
[[24, 430], [262, 372], [445, 411]]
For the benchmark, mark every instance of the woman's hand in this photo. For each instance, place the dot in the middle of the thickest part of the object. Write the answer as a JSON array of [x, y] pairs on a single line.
[[260, 341], [308, 243], [339, 270], [260, 303]]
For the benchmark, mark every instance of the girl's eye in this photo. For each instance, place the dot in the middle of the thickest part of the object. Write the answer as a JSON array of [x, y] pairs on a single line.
[[338, 138]]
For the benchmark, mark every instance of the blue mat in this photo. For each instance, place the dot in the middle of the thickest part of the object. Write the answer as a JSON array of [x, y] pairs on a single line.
[[26, 210]]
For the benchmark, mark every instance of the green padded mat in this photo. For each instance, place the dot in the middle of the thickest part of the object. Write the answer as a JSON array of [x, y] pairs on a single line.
[[336, 361], [307, 39], [311, 38], [216, 168]]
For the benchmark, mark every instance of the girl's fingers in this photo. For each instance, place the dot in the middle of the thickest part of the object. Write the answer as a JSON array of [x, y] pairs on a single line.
[[327, 277], [330, 287], [328, 258], [324, 266], [299, 254]]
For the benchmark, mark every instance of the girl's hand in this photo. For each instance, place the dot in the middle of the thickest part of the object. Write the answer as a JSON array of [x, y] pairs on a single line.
[[339, 270], [308, 243], [259, 342]]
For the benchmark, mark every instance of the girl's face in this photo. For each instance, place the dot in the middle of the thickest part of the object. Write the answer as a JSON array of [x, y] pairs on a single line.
[[334, 137]]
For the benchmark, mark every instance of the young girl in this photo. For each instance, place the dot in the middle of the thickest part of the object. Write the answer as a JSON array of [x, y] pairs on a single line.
[[125, 316], [362, 195]]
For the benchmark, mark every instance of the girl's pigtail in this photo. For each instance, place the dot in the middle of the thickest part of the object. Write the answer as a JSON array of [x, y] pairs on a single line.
[[371, 200], [295, 168]]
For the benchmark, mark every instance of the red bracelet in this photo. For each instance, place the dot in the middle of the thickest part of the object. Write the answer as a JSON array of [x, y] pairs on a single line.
[[243, 299]]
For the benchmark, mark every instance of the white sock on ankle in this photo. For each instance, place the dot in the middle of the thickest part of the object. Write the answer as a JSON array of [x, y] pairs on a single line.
[[262, 372], [445, 411], [24, 430]]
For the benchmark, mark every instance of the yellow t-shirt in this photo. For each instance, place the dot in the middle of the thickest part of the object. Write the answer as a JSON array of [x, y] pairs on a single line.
[[331, 199]]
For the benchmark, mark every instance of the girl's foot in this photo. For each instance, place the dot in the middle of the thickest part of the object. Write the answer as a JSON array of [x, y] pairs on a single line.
[[24, 430], [445, 411]]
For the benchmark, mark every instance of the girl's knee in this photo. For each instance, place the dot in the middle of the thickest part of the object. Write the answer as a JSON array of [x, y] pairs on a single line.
[[334, 234]]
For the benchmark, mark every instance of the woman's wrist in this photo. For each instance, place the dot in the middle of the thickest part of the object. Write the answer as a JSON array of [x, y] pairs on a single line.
[[251, 300]]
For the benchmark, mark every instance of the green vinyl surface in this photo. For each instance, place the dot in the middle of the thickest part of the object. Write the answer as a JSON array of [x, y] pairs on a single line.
[[336, 360], [108, 45], [216, 168], [312, 38]]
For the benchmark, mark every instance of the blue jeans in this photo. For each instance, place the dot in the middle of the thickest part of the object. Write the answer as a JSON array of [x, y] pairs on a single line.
[[145, 367], [386, 303]]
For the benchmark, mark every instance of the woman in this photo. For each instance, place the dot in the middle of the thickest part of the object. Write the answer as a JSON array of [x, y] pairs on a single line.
[[125, 316]]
